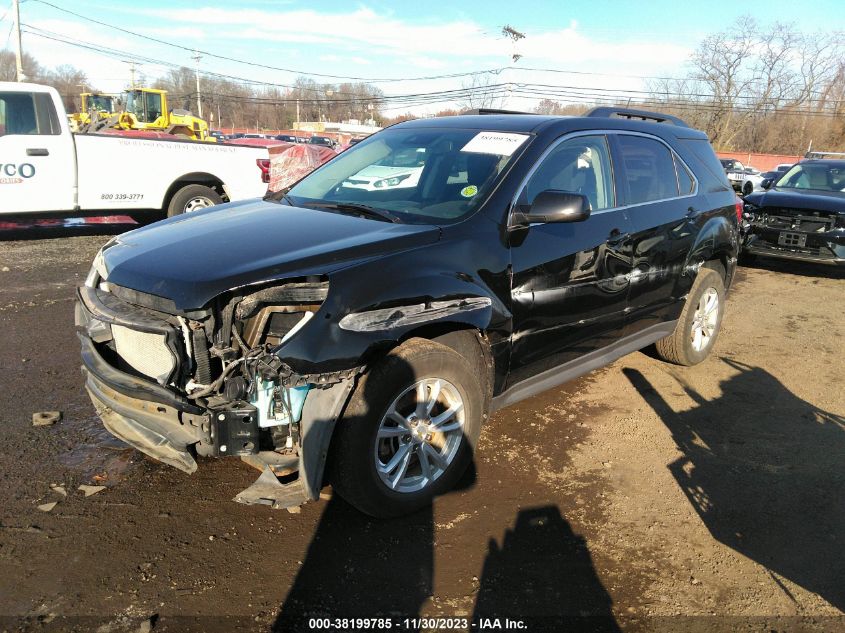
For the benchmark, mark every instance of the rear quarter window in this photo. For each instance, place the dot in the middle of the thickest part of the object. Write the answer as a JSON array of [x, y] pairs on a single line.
[[700, 156]]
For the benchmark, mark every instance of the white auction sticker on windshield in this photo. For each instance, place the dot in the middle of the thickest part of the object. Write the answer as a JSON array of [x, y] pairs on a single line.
[[498, 143]]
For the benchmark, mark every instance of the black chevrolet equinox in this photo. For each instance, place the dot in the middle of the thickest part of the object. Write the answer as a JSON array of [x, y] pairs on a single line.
[[358, 327]]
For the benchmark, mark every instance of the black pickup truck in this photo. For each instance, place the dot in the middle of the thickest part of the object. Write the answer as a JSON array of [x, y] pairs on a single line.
[[361, 335]]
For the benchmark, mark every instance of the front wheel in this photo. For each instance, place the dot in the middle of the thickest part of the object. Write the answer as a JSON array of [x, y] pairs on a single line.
[[409, 431], [698, 326], [747, 189], [192, 198]]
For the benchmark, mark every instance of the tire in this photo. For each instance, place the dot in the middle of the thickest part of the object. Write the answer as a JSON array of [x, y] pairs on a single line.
[[360, 460], [192, 198], [688, 345], [747, 189]]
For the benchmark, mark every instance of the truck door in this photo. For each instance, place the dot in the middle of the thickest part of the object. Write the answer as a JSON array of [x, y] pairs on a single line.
[[37, 158]]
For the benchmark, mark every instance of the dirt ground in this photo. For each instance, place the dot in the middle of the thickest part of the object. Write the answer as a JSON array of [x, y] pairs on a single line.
[[644, 497]]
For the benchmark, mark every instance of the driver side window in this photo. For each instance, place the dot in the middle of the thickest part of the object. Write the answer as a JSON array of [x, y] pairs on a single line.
[[577, 165]]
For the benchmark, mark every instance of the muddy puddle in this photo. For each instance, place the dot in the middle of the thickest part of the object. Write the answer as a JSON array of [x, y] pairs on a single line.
[[100, 456]]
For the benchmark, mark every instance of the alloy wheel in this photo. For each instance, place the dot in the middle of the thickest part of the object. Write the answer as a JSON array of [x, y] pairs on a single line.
[[705, 319], [419, 435]]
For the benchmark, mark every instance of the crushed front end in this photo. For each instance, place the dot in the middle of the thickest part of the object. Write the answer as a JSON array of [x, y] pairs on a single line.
[[784, 232], [210, 382]]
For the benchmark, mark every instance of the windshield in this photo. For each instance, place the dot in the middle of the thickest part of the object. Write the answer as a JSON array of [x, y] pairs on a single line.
[[816, 176], [421, 176], [101, 103]]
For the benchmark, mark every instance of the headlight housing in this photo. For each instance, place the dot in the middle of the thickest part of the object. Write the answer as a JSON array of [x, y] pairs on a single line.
[[273, 315], [390, 182]]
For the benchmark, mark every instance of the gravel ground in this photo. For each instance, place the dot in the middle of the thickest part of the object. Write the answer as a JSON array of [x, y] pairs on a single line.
[[642, 497]]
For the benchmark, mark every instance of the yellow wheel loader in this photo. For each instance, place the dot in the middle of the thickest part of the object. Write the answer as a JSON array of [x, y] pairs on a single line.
[[146, 109], [95, 106]]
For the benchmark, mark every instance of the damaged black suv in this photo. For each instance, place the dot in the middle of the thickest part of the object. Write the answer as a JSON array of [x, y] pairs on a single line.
[[360, 326]]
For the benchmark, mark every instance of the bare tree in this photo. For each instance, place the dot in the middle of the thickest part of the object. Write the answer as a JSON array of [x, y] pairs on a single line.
[[759, 89], [8, 70], [479, 92]]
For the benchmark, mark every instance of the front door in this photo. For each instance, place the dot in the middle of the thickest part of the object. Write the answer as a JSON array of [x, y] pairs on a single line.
[[570, 280], [37, 159]]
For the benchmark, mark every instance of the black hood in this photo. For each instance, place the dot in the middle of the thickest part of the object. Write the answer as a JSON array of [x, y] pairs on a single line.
[[830, 201], [193, 258]]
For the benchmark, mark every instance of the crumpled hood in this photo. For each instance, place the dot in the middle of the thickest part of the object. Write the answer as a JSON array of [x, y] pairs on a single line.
[[830, 201], [193, 258]]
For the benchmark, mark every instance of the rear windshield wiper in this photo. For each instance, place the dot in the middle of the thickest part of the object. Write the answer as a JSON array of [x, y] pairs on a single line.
[[357, 209]]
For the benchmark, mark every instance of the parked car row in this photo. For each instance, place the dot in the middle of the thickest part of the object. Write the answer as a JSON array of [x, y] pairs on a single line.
[[747, 179], [287, 138]]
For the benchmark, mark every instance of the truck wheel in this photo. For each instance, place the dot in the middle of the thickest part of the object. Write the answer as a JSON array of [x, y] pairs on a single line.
[[747, 189], [697, 328], [192, 198], [409, 431]]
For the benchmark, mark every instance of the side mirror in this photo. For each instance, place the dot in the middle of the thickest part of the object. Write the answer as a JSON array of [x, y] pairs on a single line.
[[554, 206], [767, 183]]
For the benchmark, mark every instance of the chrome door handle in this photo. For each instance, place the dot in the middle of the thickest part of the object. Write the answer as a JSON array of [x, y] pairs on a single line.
[[37, 151]]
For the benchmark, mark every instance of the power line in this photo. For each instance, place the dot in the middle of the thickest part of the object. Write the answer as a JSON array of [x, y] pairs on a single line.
[[266, 66], [570, 92]]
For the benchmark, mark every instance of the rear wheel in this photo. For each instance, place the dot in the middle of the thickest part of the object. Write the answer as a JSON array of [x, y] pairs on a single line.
[[698, 327], [409, 431], [192, 198], [747, 189]]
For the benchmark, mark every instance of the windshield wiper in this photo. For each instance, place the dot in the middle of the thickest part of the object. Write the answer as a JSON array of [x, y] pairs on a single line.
[[358, 209]]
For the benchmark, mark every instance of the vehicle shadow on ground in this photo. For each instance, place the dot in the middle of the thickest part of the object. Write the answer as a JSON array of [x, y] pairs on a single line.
[[357, 566], [763, 469]]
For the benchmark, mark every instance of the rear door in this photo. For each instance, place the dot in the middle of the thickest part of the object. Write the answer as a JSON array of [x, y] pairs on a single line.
[[659, 193], [37, 159], [570, 284]]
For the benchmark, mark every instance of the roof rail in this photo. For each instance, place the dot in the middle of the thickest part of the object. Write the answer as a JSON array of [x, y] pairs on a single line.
[[627, 113], [823, 154], [492, 111]]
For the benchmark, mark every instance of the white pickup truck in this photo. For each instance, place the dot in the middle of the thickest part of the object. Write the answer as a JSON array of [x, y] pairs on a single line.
[[44, 168]]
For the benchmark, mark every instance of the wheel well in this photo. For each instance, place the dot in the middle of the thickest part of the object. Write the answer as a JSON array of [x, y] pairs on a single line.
[[467, 341], [196, 178], [719, 263]]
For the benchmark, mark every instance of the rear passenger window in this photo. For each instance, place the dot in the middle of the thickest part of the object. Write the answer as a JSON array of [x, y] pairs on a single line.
[[649, 170], [686, 184]]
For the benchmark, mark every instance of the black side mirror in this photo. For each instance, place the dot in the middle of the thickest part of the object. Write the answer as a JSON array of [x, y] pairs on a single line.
[[554, 206], [767, 183]]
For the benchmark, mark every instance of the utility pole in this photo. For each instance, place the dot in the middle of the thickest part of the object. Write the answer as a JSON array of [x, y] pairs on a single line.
[[197, 57], [131, 73], [514, 36], [18, 52]]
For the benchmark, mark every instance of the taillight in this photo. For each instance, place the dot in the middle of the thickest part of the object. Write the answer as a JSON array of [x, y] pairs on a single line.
[[738, 204], [264, 166]]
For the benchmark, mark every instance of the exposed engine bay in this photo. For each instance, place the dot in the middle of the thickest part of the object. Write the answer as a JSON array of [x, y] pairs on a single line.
[[208, 382]]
